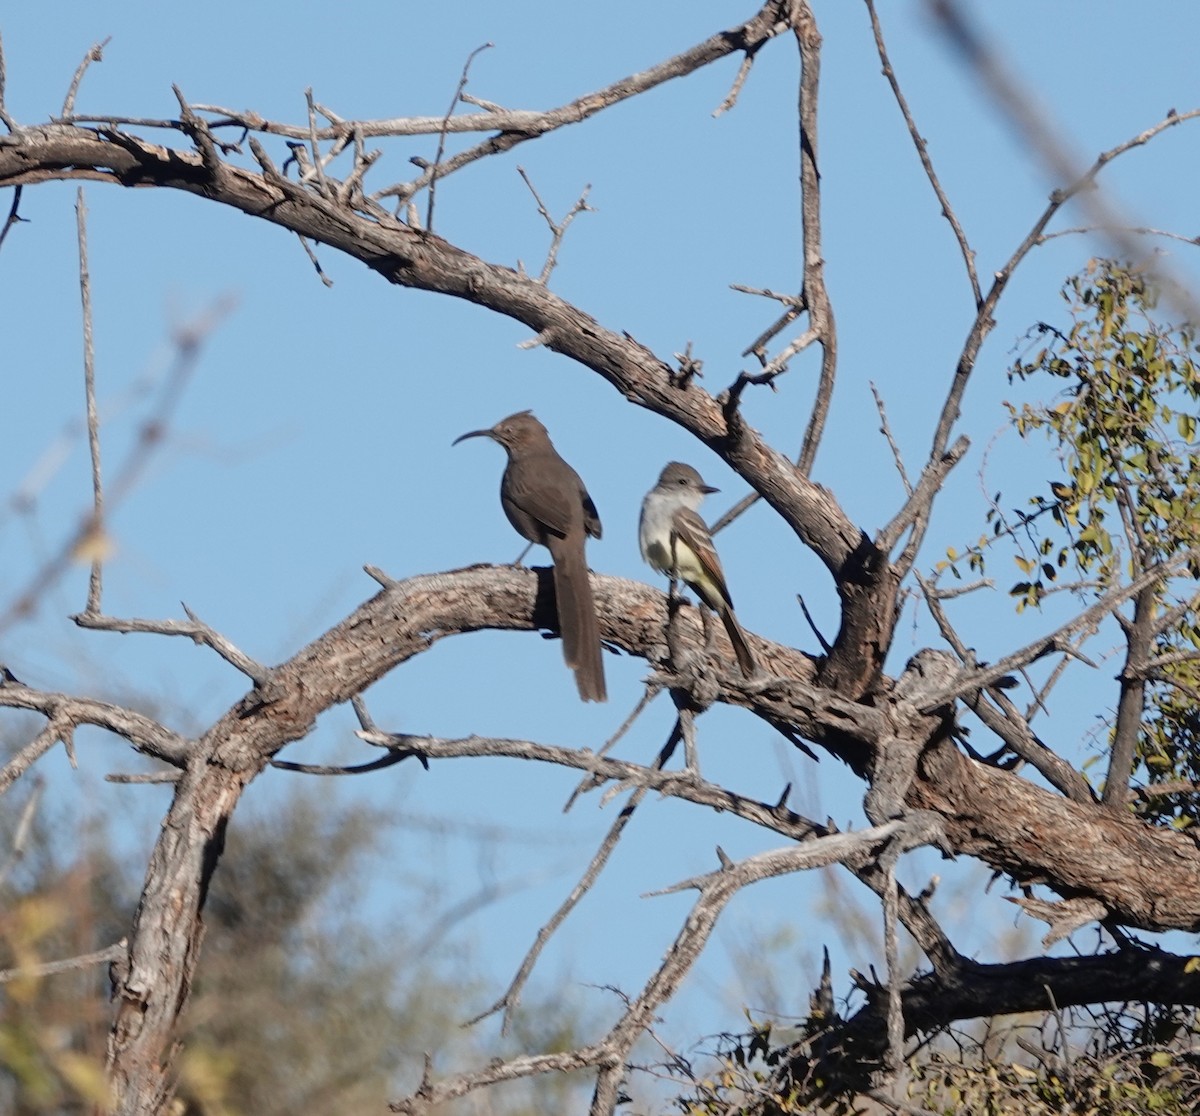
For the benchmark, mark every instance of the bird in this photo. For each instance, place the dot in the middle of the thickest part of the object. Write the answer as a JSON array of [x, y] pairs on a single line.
[[548, 504], [677, 542]]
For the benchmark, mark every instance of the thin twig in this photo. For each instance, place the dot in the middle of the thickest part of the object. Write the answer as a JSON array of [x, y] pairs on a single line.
[[886, 431], [743, 505], [796, 305], [7, 120], [826, 646], [50, 735], [1132, 230], [351, 192], [914, 914], [820, 309], [14, 218], [194, 629], [389, 760], [151, 436], [671, 784], [441, 147], [198, 131], [1052, 150], [96, 54], [314, 145], [968, 253], [152, 777], [557, 229], [778, 364], [920, 500], [1041, 693], [96, 542], [104, 956], [1063, 1038], [894, 1059], [1058, 640], [312, 258], [511, 998], [735, 89], [652, 689], [23, 830]]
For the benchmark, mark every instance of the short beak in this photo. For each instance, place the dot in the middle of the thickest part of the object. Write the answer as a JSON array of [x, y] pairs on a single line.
[[707, 489], [473, 434]]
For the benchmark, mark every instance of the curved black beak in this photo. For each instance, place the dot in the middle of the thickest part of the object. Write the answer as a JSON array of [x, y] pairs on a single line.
[[473, 434]]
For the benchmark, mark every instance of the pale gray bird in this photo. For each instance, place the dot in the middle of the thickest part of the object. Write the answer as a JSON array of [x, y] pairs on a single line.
[[676, 541], [547, 503]]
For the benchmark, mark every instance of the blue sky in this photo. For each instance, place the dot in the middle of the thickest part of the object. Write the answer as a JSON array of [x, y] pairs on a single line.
[[315, 435]]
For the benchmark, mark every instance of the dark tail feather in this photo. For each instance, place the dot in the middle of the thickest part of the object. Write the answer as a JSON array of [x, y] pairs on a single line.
[[740, 648], [577, 619]]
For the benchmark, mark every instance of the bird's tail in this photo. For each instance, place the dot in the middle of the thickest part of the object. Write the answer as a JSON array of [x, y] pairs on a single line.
[[740, 647], [577, 618]]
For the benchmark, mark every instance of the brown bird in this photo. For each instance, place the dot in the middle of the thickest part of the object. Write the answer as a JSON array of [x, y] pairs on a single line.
[[676, 541], [547, 503]]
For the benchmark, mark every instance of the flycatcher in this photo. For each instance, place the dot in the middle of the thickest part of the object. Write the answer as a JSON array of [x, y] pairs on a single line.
[[676, 541], [547, 503]]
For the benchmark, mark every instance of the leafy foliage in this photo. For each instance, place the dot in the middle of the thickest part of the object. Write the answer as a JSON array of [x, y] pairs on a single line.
[[53, 1030], [297, 1009], [1125, 428]]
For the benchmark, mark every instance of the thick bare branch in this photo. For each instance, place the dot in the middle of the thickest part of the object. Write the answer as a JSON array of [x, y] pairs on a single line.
[[404, 620], [1007, 723], [971, 990]]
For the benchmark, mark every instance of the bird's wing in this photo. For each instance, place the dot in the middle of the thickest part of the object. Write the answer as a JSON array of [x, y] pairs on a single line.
[[591, 517], [547, 495], [690, 533]]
